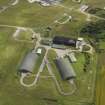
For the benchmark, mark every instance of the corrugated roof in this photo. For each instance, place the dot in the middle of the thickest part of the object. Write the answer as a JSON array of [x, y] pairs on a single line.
[[29, 62], [65, 68]]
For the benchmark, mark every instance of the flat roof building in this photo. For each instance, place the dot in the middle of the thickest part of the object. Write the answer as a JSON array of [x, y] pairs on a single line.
[[64, 41], [72, 57], [45, 2], [39, 51], [56, 46], [65, 68], [28, 62]]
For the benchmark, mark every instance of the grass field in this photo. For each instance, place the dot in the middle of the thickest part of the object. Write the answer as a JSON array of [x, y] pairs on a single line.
[[38, 17], [12, 52], [83, 80], [100, 87], [45, 92]]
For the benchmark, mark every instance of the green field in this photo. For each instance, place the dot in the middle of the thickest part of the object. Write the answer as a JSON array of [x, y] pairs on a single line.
[[100, 87], [38, 18], [12, 52], [83, 80]]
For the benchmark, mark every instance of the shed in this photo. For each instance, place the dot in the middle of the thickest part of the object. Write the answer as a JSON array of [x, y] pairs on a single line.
[[72, 57], [65, 68], [39, 51], [28, 62], [57, 46]]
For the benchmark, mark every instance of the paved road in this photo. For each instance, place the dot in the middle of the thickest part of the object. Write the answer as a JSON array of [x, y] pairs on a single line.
[[36, 76], [78, 10], [15, 2], [91, 15]]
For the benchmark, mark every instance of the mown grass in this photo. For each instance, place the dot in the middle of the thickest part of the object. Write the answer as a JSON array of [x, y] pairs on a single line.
[[83, 80], [100, 83], [38, 17], [45, 91]]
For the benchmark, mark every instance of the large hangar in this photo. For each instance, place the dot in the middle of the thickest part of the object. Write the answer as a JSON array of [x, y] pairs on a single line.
[[65, 68], [29, 62]]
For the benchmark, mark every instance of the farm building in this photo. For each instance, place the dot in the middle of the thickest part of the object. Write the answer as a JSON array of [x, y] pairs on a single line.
[[72, 57], [56, 46], [65, 68], [39, 51], [28, 62], [45, 2], [64, 41], [46, 41], [84, 8]]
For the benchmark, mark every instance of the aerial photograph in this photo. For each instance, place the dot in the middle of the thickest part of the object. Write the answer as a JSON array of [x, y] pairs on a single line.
[[52, 52]]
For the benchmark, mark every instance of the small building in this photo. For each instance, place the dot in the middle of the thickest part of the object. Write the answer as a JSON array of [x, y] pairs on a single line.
[[64, 41], [72, 57], [29, 62], [39, 51], [80, 39], [79, 43], [45, 2], [65, 68], [47, 42], [56, 46], [83, 8], [78, 1]]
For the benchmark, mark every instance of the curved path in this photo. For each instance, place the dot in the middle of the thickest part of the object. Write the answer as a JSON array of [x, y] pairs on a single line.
[[57, 84], [36, 76], [69, 18], [91, 49]]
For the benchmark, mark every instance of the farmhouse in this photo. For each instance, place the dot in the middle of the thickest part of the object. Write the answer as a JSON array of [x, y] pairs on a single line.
[[64, 41], [28, 62], [65, 68]]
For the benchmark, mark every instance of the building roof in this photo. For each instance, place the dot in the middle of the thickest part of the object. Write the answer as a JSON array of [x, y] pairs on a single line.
[[28, 62], [39, 51], [65, 68], [50, 1], [64, 41], [44, 2], [80, 39], [72, 57], [56, 46]]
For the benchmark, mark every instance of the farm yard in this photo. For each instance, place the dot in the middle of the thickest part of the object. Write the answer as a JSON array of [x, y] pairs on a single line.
[[17, 25]]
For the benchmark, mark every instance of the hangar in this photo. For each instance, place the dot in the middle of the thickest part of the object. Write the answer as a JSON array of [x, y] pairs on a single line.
[[65, 68], [28, 62]]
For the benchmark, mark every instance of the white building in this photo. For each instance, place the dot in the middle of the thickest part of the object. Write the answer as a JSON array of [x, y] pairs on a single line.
[[45, 2], [39, 51], [80, 43], [84, 8], [32, 1]]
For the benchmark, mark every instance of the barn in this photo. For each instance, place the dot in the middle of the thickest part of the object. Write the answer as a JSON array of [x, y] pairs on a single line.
[[65, 68], [28, 62], [64, 41]]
